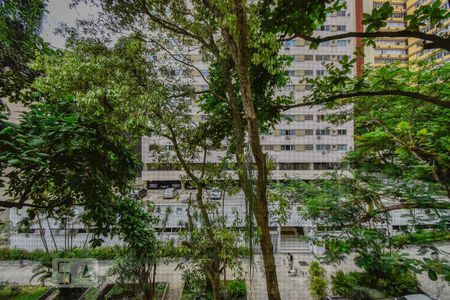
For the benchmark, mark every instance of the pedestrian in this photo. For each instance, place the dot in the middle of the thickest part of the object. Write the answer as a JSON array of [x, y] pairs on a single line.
[[291, 261]]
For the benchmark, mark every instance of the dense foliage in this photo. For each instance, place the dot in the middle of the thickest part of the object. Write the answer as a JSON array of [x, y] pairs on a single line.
[[355, 285], [318, 283], [20, 24]]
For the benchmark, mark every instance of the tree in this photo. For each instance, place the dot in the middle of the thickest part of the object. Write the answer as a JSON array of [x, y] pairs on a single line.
[[139, 97], [400, 164], [20, 23], [61, 159], [241, 41], [138, 261]]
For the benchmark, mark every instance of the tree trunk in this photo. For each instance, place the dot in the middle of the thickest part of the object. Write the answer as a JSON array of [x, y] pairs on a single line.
[[148, 295], [241, 57], [269, 261], [215, 281]]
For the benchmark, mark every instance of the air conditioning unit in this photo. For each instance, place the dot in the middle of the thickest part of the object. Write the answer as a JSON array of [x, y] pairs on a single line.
[[324, 152], [287, 48], [322, 62], [348, 14], [318, 137], [288, 137]]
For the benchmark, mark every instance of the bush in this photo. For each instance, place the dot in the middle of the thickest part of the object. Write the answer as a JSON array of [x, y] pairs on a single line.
[[100, 253], [343, 283], [356, 285], [398, 283], [318, 285], [236, 289], [421, 237]]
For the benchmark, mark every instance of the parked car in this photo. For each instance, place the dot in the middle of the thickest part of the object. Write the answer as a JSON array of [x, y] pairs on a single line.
[[414, 297], [215, 194], [138, 193], [336, 298], [164, 185], [152, 186], [170, 193], [176, 185]]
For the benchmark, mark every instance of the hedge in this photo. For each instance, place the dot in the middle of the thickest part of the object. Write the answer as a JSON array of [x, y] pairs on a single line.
[[100, 253]]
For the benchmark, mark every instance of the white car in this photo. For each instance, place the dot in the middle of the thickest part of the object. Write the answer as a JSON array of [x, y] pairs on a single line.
[[170, 193], [215, 194]]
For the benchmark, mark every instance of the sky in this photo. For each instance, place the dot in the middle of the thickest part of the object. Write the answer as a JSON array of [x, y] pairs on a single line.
[[60, 12]]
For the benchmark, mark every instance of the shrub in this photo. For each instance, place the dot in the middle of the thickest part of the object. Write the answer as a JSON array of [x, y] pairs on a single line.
[[398, 283], [236, 288], [356, 285], [100, 253], [318, 285], [343, 283]]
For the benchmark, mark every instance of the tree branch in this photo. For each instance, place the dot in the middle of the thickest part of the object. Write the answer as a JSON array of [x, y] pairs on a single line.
[[426, 98], [367, 217], [435, 41]]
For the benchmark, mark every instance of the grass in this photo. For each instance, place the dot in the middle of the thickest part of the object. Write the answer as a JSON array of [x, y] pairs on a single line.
[[22, 292]]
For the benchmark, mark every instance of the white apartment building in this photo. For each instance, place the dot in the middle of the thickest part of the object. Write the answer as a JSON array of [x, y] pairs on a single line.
[[303, 145]]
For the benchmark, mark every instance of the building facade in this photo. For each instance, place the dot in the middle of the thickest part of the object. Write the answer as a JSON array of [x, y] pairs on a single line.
[[303, 145], [415, 51], [404, 50]]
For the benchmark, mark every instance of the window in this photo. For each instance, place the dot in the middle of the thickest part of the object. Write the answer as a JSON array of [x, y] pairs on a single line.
[[321, 72], [309, 57], [323, 147], [287, 147], [326, 166], [341, 13], [395, 24], [309, 72], [322, 57], [341, 28], [309, 117], [287, 131], [290, 72], [342, 132], [268, 147], [341, 43], [390, 51], [322, 131], [288, 118], [309, 132], [205, 73], [309, 147], [308, 87], [290, 43], [289, 87], [294, 166], [342, 147]]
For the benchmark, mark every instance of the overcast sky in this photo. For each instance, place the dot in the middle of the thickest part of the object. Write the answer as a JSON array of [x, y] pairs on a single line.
[[59, 12]]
